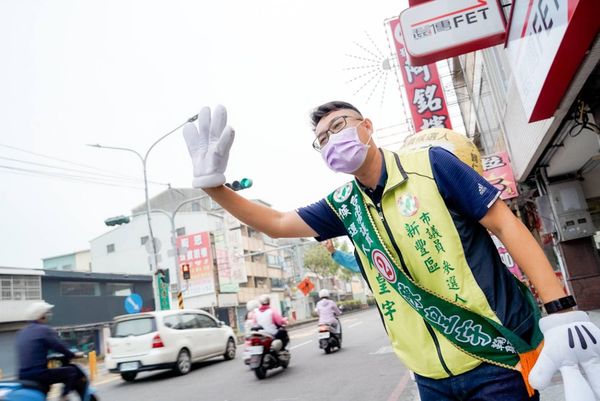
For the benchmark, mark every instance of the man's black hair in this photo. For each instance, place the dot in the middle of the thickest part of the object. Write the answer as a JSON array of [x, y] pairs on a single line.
[[318, 113]]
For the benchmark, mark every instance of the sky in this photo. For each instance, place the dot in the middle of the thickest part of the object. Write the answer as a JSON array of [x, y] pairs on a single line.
[[123, 73]]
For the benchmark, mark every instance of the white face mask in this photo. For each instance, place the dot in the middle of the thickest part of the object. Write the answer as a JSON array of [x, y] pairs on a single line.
[[344, 152]]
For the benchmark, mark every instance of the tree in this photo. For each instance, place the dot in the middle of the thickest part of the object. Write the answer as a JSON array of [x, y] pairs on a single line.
[[318, 260]]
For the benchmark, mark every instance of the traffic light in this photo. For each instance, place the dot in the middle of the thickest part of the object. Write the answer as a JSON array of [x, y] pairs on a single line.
[[244, 183], [117, 220], [185, 269], [163, 275]]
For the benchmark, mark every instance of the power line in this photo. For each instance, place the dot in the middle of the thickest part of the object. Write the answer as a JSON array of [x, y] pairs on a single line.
[[92, 175], [64, 161], [71, 177]]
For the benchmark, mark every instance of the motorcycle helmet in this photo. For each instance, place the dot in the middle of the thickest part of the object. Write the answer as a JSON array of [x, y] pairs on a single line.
[[264, 299], [324, 293], [38, 310]]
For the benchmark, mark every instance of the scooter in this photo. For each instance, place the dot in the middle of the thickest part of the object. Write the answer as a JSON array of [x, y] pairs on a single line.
[[265, 352], [26, 390], [330, 338]]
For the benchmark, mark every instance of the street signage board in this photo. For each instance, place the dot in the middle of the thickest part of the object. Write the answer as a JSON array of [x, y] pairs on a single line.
[[440, 29], [133, 303], [546, 43], [424, 90]]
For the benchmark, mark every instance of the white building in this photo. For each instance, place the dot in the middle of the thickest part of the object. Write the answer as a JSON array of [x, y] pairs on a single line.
[[19, 288]]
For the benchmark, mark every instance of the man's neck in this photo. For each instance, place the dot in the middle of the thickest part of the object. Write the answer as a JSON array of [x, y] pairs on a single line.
[[370, 172]]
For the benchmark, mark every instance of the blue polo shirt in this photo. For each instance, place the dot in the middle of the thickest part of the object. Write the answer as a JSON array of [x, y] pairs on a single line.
[[468, 196]]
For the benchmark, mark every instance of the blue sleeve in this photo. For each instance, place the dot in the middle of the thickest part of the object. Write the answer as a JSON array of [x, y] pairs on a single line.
[[346, 260], [323, 220], [462, 188]]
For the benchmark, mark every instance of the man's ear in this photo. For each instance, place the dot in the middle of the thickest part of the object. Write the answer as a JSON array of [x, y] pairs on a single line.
[[369, 124]]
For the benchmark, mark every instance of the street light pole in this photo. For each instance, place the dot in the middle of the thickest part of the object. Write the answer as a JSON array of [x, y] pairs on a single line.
[[144, 160]]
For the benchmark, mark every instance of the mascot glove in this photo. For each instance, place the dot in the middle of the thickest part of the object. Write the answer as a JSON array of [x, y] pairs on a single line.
[[570, 340], [209, 144]]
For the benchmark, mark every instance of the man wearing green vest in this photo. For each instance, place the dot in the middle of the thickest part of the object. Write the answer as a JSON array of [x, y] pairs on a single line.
[[455, 316]]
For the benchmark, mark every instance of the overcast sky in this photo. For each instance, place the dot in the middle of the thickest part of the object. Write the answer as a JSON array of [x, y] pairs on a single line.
[[123, 73]]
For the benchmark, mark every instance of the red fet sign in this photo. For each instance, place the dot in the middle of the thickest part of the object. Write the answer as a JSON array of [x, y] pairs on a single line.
[[423, 88], [439, 29]]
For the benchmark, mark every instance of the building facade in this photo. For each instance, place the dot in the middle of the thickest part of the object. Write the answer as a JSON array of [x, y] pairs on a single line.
[[521, 98], [76, 261], [20, 288]]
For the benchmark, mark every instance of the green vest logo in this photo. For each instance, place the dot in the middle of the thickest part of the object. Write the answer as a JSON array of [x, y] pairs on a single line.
[[342, 193], [408, 205]]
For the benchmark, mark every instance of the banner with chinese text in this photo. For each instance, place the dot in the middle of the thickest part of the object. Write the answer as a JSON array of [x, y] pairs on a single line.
[[498, 172], [200, 258], [423, 87]]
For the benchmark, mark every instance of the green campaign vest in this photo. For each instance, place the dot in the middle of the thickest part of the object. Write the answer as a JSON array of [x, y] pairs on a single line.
[[437, 316]]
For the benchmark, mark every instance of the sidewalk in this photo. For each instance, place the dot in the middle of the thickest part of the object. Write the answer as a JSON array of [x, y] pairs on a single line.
[[554, 392]]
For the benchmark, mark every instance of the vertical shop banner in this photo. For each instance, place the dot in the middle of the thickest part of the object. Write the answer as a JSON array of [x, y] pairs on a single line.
[[200, 258], [235, 246], [508, 261], [423, 87], [498, 172], [225, 262]]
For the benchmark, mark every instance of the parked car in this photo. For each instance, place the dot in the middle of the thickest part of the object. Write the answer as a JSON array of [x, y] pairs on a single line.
[[166, 340]]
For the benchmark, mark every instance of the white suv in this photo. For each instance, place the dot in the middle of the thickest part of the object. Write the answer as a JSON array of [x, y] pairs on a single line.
[[166, 340]]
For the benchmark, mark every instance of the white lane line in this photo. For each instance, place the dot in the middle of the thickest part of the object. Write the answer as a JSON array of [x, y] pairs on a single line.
[[300, 345], [355, 324]]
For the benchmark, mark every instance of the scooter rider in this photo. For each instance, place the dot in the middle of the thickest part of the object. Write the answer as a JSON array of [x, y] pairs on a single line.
[[270, 320], [328, 310], [33, 343]]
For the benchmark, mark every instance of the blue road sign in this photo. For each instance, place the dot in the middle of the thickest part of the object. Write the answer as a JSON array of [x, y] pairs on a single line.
[[134, 303]]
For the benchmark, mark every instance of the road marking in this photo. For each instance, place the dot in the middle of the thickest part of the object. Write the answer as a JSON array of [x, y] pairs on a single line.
[[110, 379], [383, 350], [395, 396], [354, 325], [300, 345]]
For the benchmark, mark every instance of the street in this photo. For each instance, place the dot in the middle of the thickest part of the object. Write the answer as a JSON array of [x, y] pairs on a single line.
[[365, 369]]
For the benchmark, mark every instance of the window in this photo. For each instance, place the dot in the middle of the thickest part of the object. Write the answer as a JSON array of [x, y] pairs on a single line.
[[143, 240], [20, 288], [172, 322], [273, 260], [206, 322], [119, 289], [110, 248], [189, 321], [79, 289], [180, 231], [134, 327]]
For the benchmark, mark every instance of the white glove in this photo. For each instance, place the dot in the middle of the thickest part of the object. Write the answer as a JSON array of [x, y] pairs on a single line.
[[570, 339], [209, 146]]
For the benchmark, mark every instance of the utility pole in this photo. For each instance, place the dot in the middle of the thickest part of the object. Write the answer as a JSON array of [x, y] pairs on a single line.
[[144, 160]]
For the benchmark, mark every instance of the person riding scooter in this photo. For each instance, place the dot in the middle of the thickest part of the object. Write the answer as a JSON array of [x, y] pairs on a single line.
[[328, 310], [33, 344], [270, 320]]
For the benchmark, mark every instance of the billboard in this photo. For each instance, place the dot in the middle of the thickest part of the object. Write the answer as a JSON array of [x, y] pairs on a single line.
[[423, 88], [498, 172], [200, 258]]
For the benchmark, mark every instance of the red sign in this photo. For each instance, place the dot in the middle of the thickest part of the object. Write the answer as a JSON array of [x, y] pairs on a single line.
[[439, 29], [423, 88], [547, 41], [498, 172], [306, 286], [200, 259]]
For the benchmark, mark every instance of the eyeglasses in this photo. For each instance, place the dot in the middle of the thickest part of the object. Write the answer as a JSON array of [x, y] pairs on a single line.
[[335, 126]]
